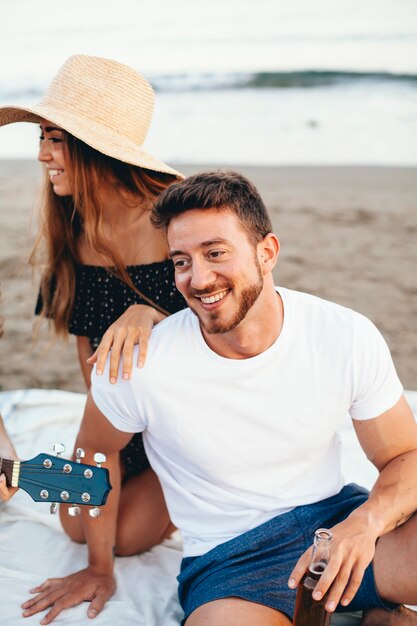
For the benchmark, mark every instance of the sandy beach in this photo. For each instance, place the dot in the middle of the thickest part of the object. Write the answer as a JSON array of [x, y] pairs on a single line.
[[348, 234]]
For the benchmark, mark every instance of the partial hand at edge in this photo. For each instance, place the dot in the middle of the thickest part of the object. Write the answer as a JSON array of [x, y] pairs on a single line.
[[6, 492], [131, 328], [89, 584]]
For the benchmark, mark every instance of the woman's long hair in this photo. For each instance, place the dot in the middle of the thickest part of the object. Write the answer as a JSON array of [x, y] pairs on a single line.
[[64, 219]]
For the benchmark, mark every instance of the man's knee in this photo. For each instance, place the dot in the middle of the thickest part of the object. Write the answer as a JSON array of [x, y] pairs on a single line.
[[399, 617], [236, 612], [395, 564]]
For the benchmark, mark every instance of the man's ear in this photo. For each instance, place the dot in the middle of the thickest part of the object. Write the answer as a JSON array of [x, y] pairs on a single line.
[[268, 251]]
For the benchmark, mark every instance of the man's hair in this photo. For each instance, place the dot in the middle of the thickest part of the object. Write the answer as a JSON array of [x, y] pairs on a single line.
[[215, 190]]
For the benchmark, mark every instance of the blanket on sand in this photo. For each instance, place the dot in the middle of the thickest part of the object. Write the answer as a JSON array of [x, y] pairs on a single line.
[[33, 546]]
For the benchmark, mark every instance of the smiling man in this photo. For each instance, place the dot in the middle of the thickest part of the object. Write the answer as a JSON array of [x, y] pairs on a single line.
[[223, 280], [240, 402]]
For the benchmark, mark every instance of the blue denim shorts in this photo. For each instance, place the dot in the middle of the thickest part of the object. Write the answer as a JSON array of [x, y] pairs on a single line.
[[256, 565]]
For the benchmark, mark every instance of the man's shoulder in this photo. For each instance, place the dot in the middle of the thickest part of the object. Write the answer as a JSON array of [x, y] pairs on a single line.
[[166, 346], [312, 301], [174, 330], [313, 310], [176, 321]]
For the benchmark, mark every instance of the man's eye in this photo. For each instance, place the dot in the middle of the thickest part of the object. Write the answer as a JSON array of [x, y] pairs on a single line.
[[179, 263], [215, 253]]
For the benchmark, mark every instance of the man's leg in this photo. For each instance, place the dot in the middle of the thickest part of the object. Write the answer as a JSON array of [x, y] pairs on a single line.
[[236, 612], [395, 568], [381, 617], [395, 564]]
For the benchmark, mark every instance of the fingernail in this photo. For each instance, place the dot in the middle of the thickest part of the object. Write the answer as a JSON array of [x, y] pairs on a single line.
[[345, 601], [92, 613], [291, 583], [317, 595], [99, 372], [140, 364], [112, 380], [331, 606], [125, 376]]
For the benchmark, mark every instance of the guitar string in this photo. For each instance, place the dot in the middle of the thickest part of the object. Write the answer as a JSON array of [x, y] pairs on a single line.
[[41, 468], [24, 464], [42, 484]]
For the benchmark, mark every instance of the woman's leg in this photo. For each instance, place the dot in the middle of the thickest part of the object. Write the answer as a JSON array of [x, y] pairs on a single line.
[[143, 519]]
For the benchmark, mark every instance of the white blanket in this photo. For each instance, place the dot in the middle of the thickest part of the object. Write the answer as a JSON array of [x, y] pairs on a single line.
[[33, 546]]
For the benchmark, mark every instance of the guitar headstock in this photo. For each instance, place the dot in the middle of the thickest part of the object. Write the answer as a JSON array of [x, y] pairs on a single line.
[[49, 478]]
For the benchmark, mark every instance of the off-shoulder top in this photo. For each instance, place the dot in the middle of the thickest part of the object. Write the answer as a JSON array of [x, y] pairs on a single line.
[[101, 297]]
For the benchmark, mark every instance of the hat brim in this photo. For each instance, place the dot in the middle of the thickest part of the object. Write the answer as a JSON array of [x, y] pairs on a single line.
[[91, 132]]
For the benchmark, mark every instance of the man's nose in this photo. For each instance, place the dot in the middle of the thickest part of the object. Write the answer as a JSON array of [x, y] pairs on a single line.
[[202, 275]]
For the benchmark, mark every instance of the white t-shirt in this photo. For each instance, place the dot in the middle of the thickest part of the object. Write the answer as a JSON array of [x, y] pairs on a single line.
[[236, 442]]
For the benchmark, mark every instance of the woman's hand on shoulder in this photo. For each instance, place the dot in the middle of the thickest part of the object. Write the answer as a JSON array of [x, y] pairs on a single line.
[[131, 328]]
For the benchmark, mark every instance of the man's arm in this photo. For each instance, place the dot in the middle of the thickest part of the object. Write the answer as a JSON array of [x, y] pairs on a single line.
[[95, 583], [390, 442]]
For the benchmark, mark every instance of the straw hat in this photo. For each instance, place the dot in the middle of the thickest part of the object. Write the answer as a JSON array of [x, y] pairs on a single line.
[[106, 104]]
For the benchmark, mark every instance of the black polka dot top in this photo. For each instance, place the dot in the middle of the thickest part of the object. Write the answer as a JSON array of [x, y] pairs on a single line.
[[101, 297]]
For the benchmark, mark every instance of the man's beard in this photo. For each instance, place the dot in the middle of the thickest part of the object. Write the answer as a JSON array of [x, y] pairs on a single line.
[[248, 297]]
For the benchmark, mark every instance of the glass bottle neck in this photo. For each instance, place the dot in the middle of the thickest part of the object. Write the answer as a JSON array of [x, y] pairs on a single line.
[[321, 551]]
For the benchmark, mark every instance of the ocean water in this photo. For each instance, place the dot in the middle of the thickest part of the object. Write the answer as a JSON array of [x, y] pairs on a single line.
[[251, 82]]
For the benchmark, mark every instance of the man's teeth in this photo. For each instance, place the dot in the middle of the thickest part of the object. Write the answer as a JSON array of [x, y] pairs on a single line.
[[215, 298]]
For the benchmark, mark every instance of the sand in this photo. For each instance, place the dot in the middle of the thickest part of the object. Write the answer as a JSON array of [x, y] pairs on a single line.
[[348, 234]]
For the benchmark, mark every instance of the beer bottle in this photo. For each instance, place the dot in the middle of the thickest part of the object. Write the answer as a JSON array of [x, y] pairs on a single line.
[[310, 612]]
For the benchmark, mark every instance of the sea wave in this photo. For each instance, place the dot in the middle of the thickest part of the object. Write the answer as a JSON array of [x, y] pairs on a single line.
[[273, 80], [183, 82]]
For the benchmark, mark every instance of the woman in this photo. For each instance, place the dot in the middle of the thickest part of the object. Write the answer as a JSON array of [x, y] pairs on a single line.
[[102, 253]]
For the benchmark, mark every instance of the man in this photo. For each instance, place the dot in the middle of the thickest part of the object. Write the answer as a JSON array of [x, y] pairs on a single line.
[[240, 401]]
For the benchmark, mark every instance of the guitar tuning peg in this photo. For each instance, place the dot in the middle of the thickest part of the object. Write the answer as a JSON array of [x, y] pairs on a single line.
[[99, 458], [53, 508], [73, 511], [94, 512], [79, 454], [59, 448]]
